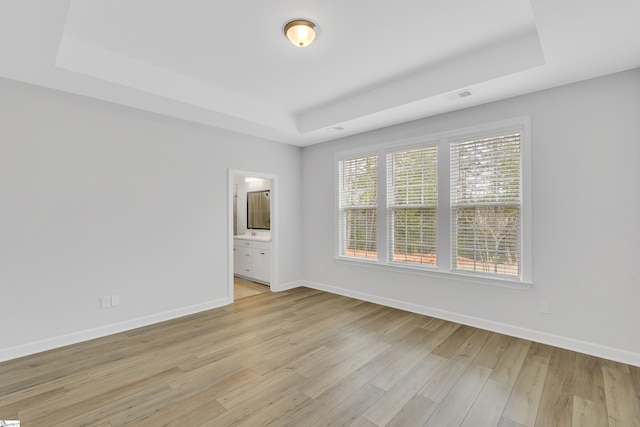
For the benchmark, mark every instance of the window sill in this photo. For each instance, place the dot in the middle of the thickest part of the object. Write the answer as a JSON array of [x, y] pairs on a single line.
[[431, 272]]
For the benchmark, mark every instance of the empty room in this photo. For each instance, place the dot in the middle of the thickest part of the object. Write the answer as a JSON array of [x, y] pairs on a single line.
[[310, 213]]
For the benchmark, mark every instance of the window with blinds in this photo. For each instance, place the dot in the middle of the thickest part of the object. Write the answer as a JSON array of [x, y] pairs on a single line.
[[486, 201], [358, 204], [412, 203], [455, 203]]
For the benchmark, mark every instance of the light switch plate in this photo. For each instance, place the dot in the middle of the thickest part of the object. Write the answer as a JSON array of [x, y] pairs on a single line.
[[543, 307], [105, 302]]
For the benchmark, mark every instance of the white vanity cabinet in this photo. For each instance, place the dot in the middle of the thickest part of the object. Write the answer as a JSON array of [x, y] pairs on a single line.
[[242, 258], [262, 261], [252, 259]]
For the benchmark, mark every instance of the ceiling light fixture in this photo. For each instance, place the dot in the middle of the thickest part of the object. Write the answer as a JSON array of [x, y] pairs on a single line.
[[301, 32]]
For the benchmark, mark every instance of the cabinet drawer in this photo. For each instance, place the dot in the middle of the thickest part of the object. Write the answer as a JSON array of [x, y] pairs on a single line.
[[242, 243], [262, 245]]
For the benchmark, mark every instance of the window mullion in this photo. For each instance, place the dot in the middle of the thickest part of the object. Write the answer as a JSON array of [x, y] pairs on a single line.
[[382, 209], [444, 209]]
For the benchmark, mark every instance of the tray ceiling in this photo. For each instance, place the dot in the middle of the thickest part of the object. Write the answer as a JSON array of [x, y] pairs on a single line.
[[374, 64]]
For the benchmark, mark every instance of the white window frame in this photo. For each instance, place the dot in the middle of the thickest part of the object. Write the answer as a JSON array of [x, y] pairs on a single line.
[[390, 208], [474, 204], [342, 243], [443, 270]]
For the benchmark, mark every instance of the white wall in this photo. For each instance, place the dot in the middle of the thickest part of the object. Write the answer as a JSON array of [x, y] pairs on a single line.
[[98, 199], [586, 223]]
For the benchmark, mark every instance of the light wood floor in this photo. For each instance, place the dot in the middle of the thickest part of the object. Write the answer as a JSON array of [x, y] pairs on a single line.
[[244, 288], [305, 357]]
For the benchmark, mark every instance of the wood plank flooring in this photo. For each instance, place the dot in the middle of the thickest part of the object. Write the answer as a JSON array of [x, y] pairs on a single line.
[[308, 358], [244, 288]]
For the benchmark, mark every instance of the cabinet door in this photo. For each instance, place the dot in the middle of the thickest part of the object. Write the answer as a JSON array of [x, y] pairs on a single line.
[[237, 260], [262, 264]]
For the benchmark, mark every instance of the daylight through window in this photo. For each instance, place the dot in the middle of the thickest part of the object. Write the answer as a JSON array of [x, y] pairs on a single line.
[[359, 207], [485, 204], [452, 205], [412, 202]]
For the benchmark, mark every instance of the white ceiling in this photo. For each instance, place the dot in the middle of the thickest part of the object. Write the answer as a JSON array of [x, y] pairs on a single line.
[[375, 63]]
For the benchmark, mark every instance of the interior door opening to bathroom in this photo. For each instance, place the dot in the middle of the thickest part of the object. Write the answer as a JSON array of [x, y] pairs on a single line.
[[253, 229]]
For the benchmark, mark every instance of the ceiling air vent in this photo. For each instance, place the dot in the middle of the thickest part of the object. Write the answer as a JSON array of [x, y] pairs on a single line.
[[459, 95]]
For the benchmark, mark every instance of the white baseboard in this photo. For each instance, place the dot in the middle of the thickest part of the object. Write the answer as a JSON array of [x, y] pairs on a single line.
[[593, 349], [114, 328], [286, 286]]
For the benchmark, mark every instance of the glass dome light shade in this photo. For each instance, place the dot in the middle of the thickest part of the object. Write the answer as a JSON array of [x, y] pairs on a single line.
[[301, 32]]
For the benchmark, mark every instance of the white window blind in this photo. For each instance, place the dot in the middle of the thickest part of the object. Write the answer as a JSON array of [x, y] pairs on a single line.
[[358, 204], [486, 204], [412, 203]]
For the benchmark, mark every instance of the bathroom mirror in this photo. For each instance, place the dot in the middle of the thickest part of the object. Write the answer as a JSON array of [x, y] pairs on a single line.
[[259, 210]]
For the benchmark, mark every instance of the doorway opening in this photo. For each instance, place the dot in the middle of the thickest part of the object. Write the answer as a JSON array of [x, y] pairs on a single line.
[[252, 233]]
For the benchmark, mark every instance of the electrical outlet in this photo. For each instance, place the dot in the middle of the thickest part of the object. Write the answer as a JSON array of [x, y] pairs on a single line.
[[115, 300], [543, 307], [321, 268], [105, 302]]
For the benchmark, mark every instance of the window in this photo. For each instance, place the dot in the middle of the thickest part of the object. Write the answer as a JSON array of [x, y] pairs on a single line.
[[412, 202], [458, 204], [358, 182], [485, 204]]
